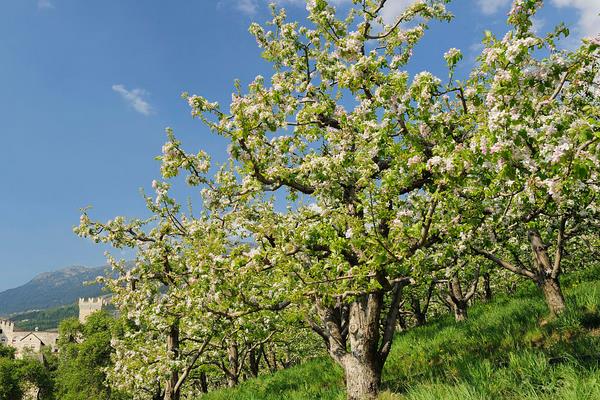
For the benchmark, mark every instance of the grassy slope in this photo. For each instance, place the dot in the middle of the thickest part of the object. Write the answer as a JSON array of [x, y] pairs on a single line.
[[506, 350]]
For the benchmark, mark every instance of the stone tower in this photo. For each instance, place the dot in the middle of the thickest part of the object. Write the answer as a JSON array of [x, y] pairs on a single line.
[[6, 331], [88, 306]]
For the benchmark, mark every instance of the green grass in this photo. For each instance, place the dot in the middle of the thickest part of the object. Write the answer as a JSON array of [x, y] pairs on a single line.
[[507, 349], [316, 379]]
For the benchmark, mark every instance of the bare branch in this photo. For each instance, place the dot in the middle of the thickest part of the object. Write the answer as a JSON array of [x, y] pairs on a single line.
[[559, 247], [473, 288], [506, 265]]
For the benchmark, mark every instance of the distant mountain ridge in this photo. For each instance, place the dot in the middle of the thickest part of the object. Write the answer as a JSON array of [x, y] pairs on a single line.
[[51, 289]]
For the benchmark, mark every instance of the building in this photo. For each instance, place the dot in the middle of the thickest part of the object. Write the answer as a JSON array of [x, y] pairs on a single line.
[[26, 341], [34, 341], [90, 305]]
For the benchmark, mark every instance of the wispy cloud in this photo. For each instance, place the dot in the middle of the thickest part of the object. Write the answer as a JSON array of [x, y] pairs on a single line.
[[135, 98], [473, 52], [248, 7], [588, 10], [489, 7], [537, 25], [45, 4], [393, 9], [252, 7]]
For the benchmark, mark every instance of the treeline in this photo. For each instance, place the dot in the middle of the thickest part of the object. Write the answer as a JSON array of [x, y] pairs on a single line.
[[47, 319]]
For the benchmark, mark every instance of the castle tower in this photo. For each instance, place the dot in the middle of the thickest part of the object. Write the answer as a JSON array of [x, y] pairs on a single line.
[[88, 306], [6, 331]]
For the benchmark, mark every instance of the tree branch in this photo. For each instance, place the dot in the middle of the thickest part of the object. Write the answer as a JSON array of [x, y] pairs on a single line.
[[559, 247], [504, 264]]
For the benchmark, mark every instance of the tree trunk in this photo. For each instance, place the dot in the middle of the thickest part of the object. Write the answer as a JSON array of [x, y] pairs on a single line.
[[401, 323], [173, 349], [354, 340], [363, 364], [420, 319], [460, 311], [271, 357], [487, 288], [553, 295], [203, 382], [362, 379], [420, 316], [267, 361], [253, 361], [233, 358], [547, 273]]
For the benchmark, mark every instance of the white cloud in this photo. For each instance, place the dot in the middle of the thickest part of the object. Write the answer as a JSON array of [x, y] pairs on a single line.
[[302, 3], [537, 24], [476, 47], [474, 51], [44, 4], [588, 10], [588, 25], [134, 98], [248, 7], [392, 9], [251, 7], [489, 7]]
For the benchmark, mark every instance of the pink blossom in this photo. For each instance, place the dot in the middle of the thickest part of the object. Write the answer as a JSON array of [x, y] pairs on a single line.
[[414, 160], [496, 147]]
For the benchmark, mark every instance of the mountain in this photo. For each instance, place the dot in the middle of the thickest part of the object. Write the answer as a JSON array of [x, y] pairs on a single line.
[[51, 289]]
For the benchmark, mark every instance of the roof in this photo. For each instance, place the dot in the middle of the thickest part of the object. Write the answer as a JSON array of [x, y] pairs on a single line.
[[33, 334]]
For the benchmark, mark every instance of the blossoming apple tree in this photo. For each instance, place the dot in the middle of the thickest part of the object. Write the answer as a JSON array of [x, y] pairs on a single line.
[[189, 292], [533, 182], [383, 174], [363, 151]]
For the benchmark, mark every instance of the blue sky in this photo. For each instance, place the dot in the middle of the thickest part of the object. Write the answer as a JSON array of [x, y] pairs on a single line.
[[87, 88]]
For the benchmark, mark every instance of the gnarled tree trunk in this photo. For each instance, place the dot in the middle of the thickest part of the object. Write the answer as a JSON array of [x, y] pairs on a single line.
[[233, 370], [547, 273], [254, 363], [487, 287], [355, 339], [553, 295], [363, 364], [363, 378], [172, 392], [456, 299], [544, 272], [460, 311]]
